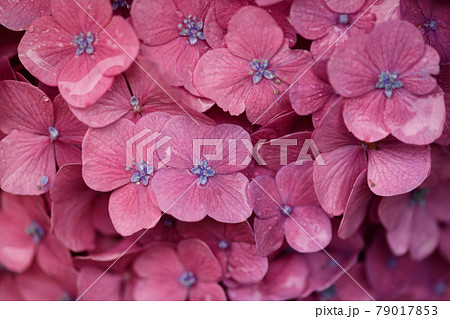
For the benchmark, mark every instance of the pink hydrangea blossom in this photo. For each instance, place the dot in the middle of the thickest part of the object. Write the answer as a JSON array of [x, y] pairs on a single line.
[[206, 184], [388, 85], [253, 71], [41, 135], [182, 277], [392, 167], [18, 15], [79, 48], [285, 207]]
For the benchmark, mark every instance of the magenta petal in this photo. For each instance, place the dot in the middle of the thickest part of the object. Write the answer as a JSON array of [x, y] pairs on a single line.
[[45, 53], [416, 119], [81, 16], [229, 83], [253, 34], [24, 107], [26, 159], [132, 208], [364, 116], [345, 6], [308, 230], [54, 258], [333, 181], [71, 203], [104, 156], [425, 235], [244, 263], [19, 15], [397, 168]]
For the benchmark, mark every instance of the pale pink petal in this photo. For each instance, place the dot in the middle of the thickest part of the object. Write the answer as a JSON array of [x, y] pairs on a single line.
[[106, 289], [312, 19], [425, 234], [269, 233], [264, 197], [345, 6], [19, 15], [245, 264], [207, 291], [204, 266]]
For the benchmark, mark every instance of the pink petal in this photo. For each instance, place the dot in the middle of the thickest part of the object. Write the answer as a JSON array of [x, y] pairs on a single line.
[[235, 155], [19, 15], [345, 7], [264, 197], [438, 201], [333, 181], [54, 258], [245, 264], [395, 46], [287, 63], [207, 291], [204, 266], [228, 83], [350, 70], [397, 168], [71, 204], [269, 233], [132, 208], [24, 107], [416, 119], [45, 49], [82, 15], [214, 33], [425, 238], [104, 156], [364, 116], [293, 192], [26, 158], [312, 19], [253, 34], [308, 230], [356, 208], [106, 289], [155, 31]]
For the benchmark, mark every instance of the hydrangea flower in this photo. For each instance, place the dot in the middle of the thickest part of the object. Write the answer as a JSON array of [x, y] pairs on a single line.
[[41, 135], [18, 15], [393, 168], [233, 245], [388, 85], [172, 33], [135, 94], [285, 207], [432, 19], [325, 21], [206, 184], [79, 48], [253, 71], [132, 205], [182, 277]]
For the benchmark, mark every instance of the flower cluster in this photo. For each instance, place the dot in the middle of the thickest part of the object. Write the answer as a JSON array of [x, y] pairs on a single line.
[[225, 150]]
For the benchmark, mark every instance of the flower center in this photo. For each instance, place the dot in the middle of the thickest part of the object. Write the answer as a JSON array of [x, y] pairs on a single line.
[[440, 287], [187, 279], [35, 231], [432, 25], [134, 101], [204, 171], [53, 133], [120, 4], [141, 172], [43, 182], [328, 293], [287, 210], [223, 244], [343, 19], [371, 146], [259, 70], [66, 297], [84, 44], [391, 262], [192, 29], [418, 196], [388, 82]]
